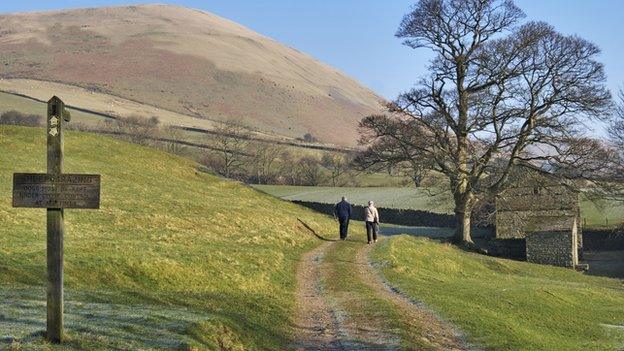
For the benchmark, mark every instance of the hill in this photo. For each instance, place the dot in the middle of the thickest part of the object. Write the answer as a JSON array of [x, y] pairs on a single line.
[[174, 259], [193, 67], [503, 304]]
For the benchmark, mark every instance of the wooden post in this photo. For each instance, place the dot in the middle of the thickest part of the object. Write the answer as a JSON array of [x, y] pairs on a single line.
[[55, 191], [56, 230]]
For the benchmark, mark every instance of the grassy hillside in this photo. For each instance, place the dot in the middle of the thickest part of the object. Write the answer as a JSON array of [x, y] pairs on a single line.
[[507, 305], [186, 61], [9, 101], [174, 257], [593, 213]]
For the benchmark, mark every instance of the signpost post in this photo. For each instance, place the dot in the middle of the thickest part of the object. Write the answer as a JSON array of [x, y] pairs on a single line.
[[55, 191]]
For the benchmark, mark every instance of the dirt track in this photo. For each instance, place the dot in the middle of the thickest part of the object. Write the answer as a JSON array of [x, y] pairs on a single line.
[[316, 324], [324, 323]]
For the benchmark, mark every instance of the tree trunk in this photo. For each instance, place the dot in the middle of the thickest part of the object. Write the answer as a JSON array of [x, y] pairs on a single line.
[[463, 212]]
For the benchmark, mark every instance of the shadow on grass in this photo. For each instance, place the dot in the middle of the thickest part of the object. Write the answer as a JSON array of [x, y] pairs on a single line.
[[605, 263], [119, 326], [311, 230], [430, 232]]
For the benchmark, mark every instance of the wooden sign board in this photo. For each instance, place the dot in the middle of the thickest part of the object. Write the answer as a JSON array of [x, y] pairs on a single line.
[[38, 190], [55, 191]]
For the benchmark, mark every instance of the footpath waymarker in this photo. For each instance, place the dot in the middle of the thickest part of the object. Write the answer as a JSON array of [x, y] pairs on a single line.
[[55, 191]]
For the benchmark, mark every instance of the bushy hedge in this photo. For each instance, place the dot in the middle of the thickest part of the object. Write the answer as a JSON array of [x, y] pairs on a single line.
[[21, 119]]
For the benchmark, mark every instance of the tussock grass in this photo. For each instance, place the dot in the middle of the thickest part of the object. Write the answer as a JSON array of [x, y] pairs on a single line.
[[174, 257], [504, 304]]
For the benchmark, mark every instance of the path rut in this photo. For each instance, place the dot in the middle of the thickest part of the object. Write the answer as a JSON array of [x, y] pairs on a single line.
[[316, 323], [321, 323], [436, 333]]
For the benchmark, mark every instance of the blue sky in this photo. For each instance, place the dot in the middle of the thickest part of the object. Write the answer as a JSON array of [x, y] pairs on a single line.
[[357, 36]]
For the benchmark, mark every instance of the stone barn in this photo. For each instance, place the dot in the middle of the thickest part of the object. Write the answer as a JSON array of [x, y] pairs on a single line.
[[540, 213]]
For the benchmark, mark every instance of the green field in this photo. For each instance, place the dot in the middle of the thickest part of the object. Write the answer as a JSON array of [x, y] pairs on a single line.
[[13, 102], [507, 305], [594, 213], [174, 259], [390, 197], [179, 259]]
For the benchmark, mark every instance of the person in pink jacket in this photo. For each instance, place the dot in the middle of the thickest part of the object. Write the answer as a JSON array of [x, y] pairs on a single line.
[[372, 222]]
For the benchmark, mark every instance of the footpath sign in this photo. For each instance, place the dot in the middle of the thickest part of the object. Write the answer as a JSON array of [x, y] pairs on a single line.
[[56, 191]]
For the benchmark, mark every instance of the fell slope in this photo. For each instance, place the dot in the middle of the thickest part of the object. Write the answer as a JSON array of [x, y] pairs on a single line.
[[174, 259], [187, 61]]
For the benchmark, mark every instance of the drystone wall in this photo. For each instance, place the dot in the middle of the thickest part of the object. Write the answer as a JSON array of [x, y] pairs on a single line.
[[413, 218], [553, 248], [524, 210]]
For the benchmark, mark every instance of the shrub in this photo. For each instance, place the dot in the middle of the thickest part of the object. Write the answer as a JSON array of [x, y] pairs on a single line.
[[139, 130], [21, 119]]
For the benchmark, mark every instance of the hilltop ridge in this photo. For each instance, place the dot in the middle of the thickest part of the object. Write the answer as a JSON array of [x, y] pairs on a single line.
[[187, 61]]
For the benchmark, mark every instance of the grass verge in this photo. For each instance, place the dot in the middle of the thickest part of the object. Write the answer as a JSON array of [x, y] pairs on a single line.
[[507, 305]]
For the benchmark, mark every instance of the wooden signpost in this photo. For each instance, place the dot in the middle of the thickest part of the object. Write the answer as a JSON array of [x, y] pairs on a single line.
[[55, 191]]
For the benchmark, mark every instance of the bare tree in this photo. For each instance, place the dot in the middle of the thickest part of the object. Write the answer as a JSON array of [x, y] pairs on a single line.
[[288, 169], [384, 152], [174, 135], [338, 165], [231, 140], [263, 161], [309, 138], [613, 186], [309, 169], [616, 130], [137, 129], [498, 93]]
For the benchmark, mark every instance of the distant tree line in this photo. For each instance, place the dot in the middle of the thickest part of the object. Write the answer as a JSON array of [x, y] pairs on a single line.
[[237, 156], [18, 118], [231, 152]]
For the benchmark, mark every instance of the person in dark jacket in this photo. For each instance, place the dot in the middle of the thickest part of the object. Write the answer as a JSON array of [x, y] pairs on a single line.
[[342, 212]]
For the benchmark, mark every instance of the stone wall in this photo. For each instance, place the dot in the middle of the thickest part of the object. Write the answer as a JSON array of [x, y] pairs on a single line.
[[517, 224], [414, 218], [603, 240], [554, 248], [539, 208]]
